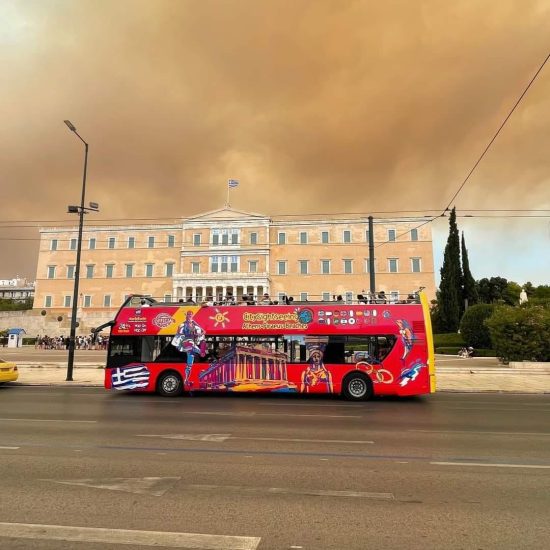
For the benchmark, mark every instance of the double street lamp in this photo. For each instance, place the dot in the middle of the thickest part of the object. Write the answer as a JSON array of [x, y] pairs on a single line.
[[80, 210]]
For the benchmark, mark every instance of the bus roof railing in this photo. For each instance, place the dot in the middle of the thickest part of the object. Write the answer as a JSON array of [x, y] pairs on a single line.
[[135, 300]]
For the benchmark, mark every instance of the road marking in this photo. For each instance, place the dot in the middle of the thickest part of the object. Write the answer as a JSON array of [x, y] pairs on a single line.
[[224, 437], [462, 432], [491, 465], [128, 537], [9, 448], [492, 409], [155, 486], [47, 420], [272, 414], [290, 491], [191, 437]]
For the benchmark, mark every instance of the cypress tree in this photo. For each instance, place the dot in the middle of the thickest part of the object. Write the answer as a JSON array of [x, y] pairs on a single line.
[[450, 288], [469, 294]]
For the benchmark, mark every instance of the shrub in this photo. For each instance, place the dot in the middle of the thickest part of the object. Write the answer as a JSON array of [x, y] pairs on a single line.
[[520, 334], [473, 328], [448, 339]]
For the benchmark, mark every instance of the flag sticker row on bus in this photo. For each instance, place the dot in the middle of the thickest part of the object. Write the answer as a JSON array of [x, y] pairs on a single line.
[[130, 378]]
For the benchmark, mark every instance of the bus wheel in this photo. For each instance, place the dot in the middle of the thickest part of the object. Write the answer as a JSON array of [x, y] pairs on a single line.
[[170, 384], [357, 387]]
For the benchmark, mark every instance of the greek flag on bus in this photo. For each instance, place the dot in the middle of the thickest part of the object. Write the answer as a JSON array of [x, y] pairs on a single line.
[[130, 378], [232, 183]]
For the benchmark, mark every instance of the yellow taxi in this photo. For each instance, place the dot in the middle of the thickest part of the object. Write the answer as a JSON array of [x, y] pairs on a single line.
[[8, 372]]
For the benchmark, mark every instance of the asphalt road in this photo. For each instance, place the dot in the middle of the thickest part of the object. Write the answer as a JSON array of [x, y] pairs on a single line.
[[85, 469]]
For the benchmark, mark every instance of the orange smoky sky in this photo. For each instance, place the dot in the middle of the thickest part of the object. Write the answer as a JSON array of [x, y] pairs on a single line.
[[314, 106]]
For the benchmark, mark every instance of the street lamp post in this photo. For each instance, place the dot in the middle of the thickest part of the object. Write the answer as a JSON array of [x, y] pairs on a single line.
[[80, 210]]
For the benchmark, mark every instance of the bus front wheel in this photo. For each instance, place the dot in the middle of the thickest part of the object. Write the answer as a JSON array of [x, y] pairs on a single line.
[[170, 384], [357, 387]]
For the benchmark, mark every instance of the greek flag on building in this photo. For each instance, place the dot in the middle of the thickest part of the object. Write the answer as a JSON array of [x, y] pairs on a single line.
[[130, 378], [232, 183]]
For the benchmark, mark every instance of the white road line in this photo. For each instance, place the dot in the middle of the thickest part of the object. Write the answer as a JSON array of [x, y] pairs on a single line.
[[492, 409], [272, 414], [219, 438], [534, 466], [290, 491], [466, 432], [10, 448], [128, 537], [156, 486], [47, 420]]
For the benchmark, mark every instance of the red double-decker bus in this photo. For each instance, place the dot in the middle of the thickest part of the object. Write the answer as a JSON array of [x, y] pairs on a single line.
[[356, 350]]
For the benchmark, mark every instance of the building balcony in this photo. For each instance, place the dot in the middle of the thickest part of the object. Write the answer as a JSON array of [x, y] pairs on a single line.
[[244, 275]]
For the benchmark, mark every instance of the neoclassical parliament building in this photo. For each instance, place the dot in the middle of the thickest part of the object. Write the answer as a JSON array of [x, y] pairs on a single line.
[[230, 252]]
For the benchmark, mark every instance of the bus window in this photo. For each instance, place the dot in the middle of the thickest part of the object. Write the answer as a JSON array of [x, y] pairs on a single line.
[[124, 350], [334, 351], [369, 348]]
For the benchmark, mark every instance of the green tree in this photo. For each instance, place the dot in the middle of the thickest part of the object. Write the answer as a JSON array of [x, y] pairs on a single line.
[[473, 328], [491, 290], [520, 334], [14, 305], [469, 292], [511, 293], [449, 297]]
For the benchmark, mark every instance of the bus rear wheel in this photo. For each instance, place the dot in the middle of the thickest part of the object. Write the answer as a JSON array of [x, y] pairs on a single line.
[[357, 387], [170, 384]]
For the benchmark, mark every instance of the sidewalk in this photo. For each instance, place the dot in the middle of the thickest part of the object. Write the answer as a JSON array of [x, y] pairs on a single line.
[[91, 374]]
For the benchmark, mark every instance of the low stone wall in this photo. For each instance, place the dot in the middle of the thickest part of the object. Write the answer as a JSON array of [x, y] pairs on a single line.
[[529, 365], [33, 322]]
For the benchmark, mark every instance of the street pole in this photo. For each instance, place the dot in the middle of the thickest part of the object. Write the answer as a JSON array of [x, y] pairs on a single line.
[[72, 337], [371, 256]]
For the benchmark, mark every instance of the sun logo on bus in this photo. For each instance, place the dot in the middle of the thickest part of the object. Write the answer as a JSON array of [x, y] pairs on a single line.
[[219, 318]]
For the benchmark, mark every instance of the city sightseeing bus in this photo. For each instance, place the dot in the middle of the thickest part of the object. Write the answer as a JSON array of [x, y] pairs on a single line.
[[356, 350]]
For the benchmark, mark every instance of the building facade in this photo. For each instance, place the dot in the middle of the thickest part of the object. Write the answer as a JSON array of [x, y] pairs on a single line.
[[228, 252], [18, 290]]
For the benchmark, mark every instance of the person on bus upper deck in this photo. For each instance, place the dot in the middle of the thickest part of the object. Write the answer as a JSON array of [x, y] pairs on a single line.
[[265, 300], [244, 300], [339, 298], [381, 297]]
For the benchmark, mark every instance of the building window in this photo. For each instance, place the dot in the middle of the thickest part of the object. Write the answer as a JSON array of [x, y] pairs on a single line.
[[53, 244], [225, 238], [281, 296], [91, 243], [67, 301], [346, 236], [325, 267], [391, 235], [131, 242], [107, 300], [109, 268], [324, 237], [167, 297], [253, 266], [215, 237], [87, 301], [51, 272], [151, 242], [303, 296], [169, 269], [325, 296], [47, 301], [281, 238], [72, 244], [70, 272], [129, 270], [234, 264], [111, 242], [367, 236], [253, 238], [367, 265], [348, 266], [171, 241], [394, 296], [195, 267], [304, 267], [393, 265], [281, 267], [197, 239], [349, 297], [414, 234], [214, 264], [416, 265], [303, 237], [234, 237], [89, 271], [149, 270]]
